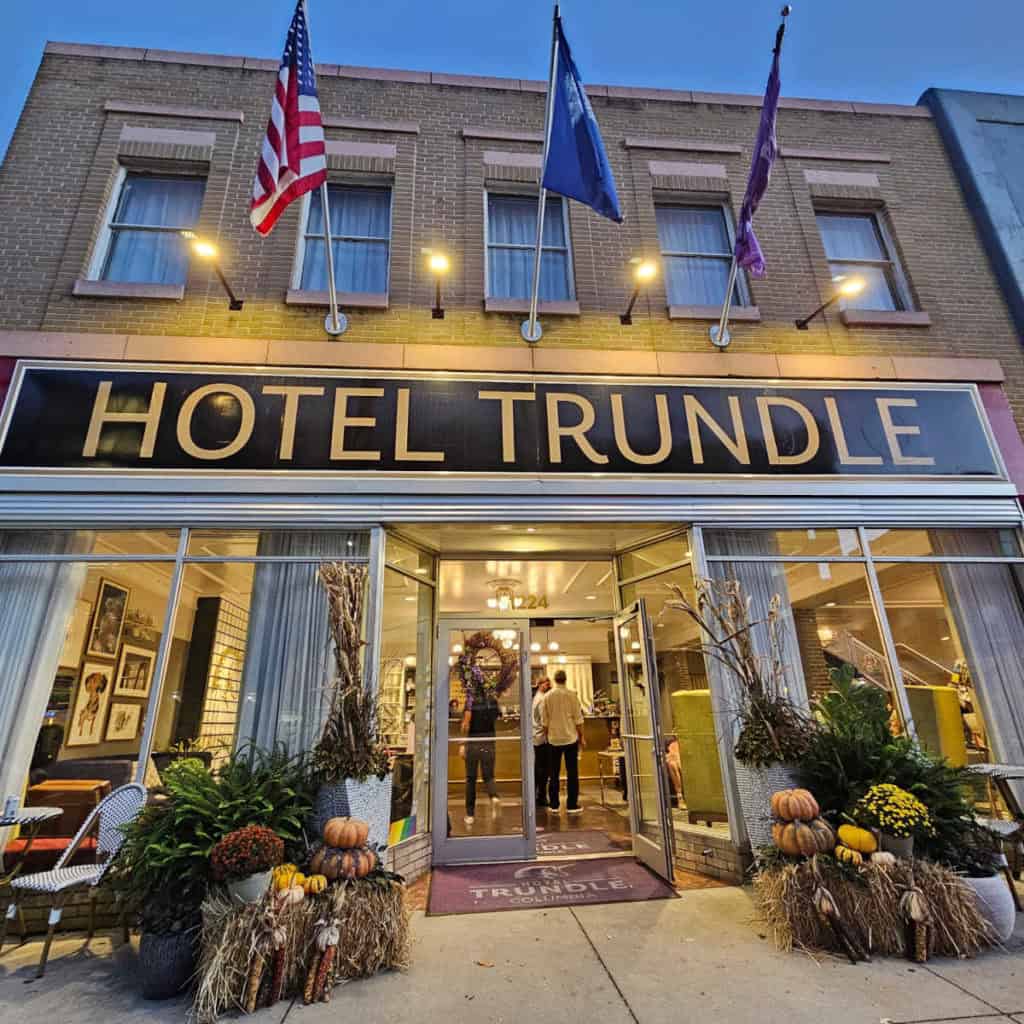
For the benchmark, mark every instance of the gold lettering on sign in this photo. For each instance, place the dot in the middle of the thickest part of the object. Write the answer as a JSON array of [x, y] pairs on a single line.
[[893, 432], [245, 427], [402, 453], [508, 427], [664, 432], [101, 414], [292, 393], [578, 433], [342, 421], [764, 410], [697, 414], [839, 433]]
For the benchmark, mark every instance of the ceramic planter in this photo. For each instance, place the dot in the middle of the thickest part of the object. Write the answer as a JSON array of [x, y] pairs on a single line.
[[995, 903], [167, 962], [756, 786], [898, 846], [369, 801], [251, 889]]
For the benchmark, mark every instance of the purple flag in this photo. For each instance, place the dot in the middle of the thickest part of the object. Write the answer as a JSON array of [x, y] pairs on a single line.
[[748, 251]]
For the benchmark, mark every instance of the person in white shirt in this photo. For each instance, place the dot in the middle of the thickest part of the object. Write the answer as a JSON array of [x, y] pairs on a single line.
[[541, 747], [562, 717]]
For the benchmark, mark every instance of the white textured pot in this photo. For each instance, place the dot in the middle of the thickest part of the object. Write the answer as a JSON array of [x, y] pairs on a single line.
[[995, 903], [756, 786], [251, 889], [898, 846], [369, 801]]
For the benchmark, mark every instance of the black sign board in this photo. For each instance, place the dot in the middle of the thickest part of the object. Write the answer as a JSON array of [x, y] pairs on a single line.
[[129, 417]]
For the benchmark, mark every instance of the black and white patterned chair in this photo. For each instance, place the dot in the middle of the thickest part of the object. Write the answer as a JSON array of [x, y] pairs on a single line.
[[118, 808]]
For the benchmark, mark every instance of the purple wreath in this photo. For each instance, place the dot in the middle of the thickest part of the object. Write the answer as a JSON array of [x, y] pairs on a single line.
[[478, 682]]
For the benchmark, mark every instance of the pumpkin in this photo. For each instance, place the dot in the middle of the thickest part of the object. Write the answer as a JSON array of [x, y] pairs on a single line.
[[346, 833], [859, 839], [315, 884], [824, 837], [883, 859], [291, 894], [795, 838], [794, 805], [848, 856], [334, 863], [286, 876]]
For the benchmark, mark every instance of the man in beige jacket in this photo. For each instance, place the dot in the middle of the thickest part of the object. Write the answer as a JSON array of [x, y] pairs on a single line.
[[562, 718]]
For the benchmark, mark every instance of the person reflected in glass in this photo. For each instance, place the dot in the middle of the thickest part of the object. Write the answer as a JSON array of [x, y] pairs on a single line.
[[478, 725], [541, 747], [562, 717]]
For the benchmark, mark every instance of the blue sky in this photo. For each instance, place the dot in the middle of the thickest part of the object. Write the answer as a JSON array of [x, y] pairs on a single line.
[[877, 50]]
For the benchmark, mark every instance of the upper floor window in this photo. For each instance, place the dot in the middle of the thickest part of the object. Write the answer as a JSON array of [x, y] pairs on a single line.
[[696, 252], [512, 241], [858, 245], [360, 237], [143, 242]]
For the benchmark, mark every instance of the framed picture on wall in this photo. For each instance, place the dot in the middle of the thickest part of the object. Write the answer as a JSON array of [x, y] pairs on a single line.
[[107, 620], [134, 672], [123, 723], [89, 713]]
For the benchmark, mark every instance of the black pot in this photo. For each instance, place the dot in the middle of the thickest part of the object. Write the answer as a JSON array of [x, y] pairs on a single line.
[[167, 962]]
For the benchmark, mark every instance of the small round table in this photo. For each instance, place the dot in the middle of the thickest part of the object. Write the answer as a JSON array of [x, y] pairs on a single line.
[[30, 820]]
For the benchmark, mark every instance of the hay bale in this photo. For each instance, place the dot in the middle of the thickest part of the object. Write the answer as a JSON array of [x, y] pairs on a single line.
[[868, 901]]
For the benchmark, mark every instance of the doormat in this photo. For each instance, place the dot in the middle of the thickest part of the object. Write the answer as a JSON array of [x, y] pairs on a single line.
[[485, 888], [569, 844]]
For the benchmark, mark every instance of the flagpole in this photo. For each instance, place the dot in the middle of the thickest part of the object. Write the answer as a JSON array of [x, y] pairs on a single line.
[[530, 329]]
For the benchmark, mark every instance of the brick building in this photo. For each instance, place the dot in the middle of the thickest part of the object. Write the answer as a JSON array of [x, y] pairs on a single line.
[[859, 467]]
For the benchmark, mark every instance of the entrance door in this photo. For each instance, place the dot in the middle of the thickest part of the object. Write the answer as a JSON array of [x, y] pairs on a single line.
[[646, 775], [483, 808]]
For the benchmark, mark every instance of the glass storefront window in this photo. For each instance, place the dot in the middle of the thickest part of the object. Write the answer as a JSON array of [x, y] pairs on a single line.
[[810, 543], [948, 543], [152, 543], [652, 557], [409, 558], [328, 544]]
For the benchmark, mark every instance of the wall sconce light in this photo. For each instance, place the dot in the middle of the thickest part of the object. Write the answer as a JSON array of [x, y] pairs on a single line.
[[438, 265], [848, 287], [644, 271], [208, 251]]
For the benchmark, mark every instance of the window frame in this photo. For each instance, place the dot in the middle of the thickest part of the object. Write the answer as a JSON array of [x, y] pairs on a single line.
[[891, 265], [742, 287], [303, 236], [511, 193], [104, 245]]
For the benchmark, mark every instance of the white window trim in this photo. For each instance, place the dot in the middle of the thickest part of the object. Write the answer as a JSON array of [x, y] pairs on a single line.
[[901, 288], [742, 287], [301, 239], [567, 249]]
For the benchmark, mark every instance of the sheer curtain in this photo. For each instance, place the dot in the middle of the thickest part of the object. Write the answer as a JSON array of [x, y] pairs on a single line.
[[512, 221], [360, 231], [288, 657], [694, 280], [36, 602], [153, 257], [856, 237]]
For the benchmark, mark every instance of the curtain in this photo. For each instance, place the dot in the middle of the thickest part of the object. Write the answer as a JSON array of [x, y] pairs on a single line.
[[360, 233], [154, 257], [512, 221], [579, 677], [851, 236], [36, 603], [985, 601], [694, 280], [288, 658]]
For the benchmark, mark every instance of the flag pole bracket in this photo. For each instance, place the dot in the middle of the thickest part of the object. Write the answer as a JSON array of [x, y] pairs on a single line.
[[335, 329], [535, 336], [718, 338]]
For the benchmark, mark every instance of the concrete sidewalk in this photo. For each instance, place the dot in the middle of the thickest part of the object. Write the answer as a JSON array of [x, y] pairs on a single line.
[[702, 956]]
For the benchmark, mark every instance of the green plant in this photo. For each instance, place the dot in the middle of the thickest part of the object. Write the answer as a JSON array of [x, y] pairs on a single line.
[[893, 810], [244, 852]]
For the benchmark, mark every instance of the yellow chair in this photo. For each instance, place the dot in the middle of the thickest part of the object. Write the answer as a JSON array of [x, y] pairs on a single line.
[[693, 722], [939, 724]]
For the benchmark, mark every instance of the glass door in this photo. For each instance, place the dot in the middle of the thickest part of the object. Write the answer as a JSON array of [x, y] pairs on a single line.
[[483, 807], [646, 774]]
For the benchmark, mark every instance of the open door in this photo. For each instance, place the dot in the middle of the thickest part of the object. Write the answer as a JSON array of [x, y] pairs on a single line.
[[646, 775]]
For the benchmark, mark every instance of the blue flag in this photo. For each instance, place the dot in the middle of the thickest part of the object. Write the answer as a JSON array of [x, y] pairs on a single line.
[[577, 165]]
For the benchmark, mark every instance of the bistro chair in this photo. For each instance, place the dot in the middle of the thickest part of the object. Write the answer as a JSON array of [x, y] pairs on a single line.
[[115, 810]]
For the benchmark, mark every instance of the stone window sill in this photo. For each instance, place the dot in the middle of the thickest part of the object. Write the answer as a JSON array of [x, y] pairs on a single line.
[[885, 318], [560, 308], [127, 290], [749, 313], [346, 300]]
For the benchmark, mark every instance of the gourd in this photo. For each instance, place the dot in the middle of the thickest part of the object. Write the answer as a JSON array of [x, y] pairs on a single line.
[[848, 856], [859, 839], [284, 880], [315, 884], [796, 838], [291, 894], [825, 838], [883, 858], [346, 833], [334, 863], [794, 805]]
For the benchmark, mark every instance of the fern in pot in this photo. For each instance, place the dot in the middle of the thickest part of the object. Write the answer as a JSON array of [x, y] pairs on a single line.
[[771, 733], [349, 760]]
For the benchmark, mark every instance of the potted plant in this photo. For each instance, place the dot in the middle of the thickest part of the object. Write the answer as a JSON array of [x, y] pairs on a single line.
[[772, 734], [244, 861], [896, 815], [349, 760], [981, 865]]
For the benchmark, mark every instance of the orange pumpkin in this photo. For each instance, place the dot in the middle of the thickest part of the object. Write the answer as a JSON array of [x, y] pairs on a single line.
[[800, 839], [794, 805], [346, 833], [334, 863]]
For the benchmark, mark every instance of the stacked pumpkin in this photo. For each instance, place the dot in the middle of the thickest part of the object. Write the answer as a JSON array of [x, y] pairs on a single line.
[[344, 853], [858, 844], [798, 829]]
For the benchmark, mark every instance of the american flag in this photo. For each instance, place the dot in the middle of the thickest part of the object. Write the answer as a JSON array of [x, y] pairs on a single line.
[[293, 160]]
